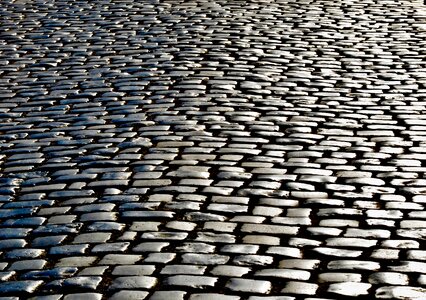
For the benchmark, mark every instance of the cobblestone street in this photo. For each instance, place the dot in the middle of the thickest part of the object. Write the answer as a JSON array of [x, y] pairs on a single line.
[[212, 150]]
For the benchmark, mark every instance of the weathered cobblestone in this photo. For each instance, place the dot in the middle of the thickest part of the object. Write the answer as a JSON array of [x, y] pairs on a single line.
[[212, 150]]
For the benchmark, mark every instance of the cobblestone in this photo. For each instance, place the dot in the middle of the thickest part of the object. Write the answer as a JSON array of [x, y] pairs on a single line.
[[212, 150], [27, 286], [352, 289], [133, 282], [130, 295], [247, 285]]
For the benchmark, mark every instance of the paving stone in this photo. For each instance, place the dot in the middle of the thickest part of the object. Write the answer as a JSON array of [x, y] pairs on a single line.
[[408, 266], [5, 276], [183, 269], [388, 278], [96, 237], [111, 247], [226, 140], [202, 259], [248, 260], [24, 253], [165, 235], [162, 258], [421, 280], [133, 282], [92, 271], [26, 286], [48, 240], [271, 229], [49, 297], [353, 265], [271, 298], [297, 287], [249, 286], [68, 249], [416, 254], [240, 248], [159, 295], [133, 270], [285, 251], [401, 244], [230, 271], [403, 292], [213, 296], [120, 259], [385, 254], [191, 281], [130, 295], [304, 264], [60, 272], [220, 226], [76, 261], [339, 277], [84, 282], [351, 289], [284, 273], [33, 264], [89, 296], [337, 252], [351, 242], [261, 240]]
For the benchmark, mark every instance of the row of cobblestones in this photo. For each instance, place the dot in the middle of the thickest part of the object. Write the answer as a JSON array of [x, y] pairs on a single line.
[[225, 150]]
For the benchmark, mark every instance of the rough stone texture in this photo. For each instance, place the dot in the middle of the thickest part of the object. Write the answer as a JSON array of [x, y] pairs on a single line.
[[178, 149]]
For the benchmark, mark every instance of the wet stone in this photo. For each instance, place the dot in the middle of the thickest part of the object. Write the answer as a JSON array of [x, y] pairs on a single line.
[[243, 249], [5, 276], [201, 259], [271, 298], [408, 266], [120, 259], [48, 241], [133, 282], [191, 281], [183, 269], [68, 249], [353, 265], [111, 247], [48, 297], [99, 237], [388, 278], [158, 295], [230, 271], [88, 296], [162, 258], [84, 282], [105, 226], [136, 270], [24, 253], [60, 272], [34, 264], [129, 295], [221, 145], [297, 287], [91, 271], [25, 286], [352, 289], [284, 273], [403, 292], [249, 286], [339, 277], [76, 261]]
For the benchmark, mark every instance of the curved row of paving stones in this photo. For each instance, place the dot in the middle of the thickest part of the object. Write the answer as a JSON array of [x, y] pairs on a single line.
[[212, 149]]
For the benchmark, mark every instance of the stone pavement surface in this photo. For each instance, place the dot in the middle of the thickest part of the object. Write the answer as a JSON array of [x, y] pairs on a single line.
[[225, 150]]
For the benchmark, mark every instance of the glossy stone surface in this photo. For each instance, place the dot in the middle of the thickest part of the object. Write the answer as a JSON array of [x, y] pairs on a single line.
[[233, 150]]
